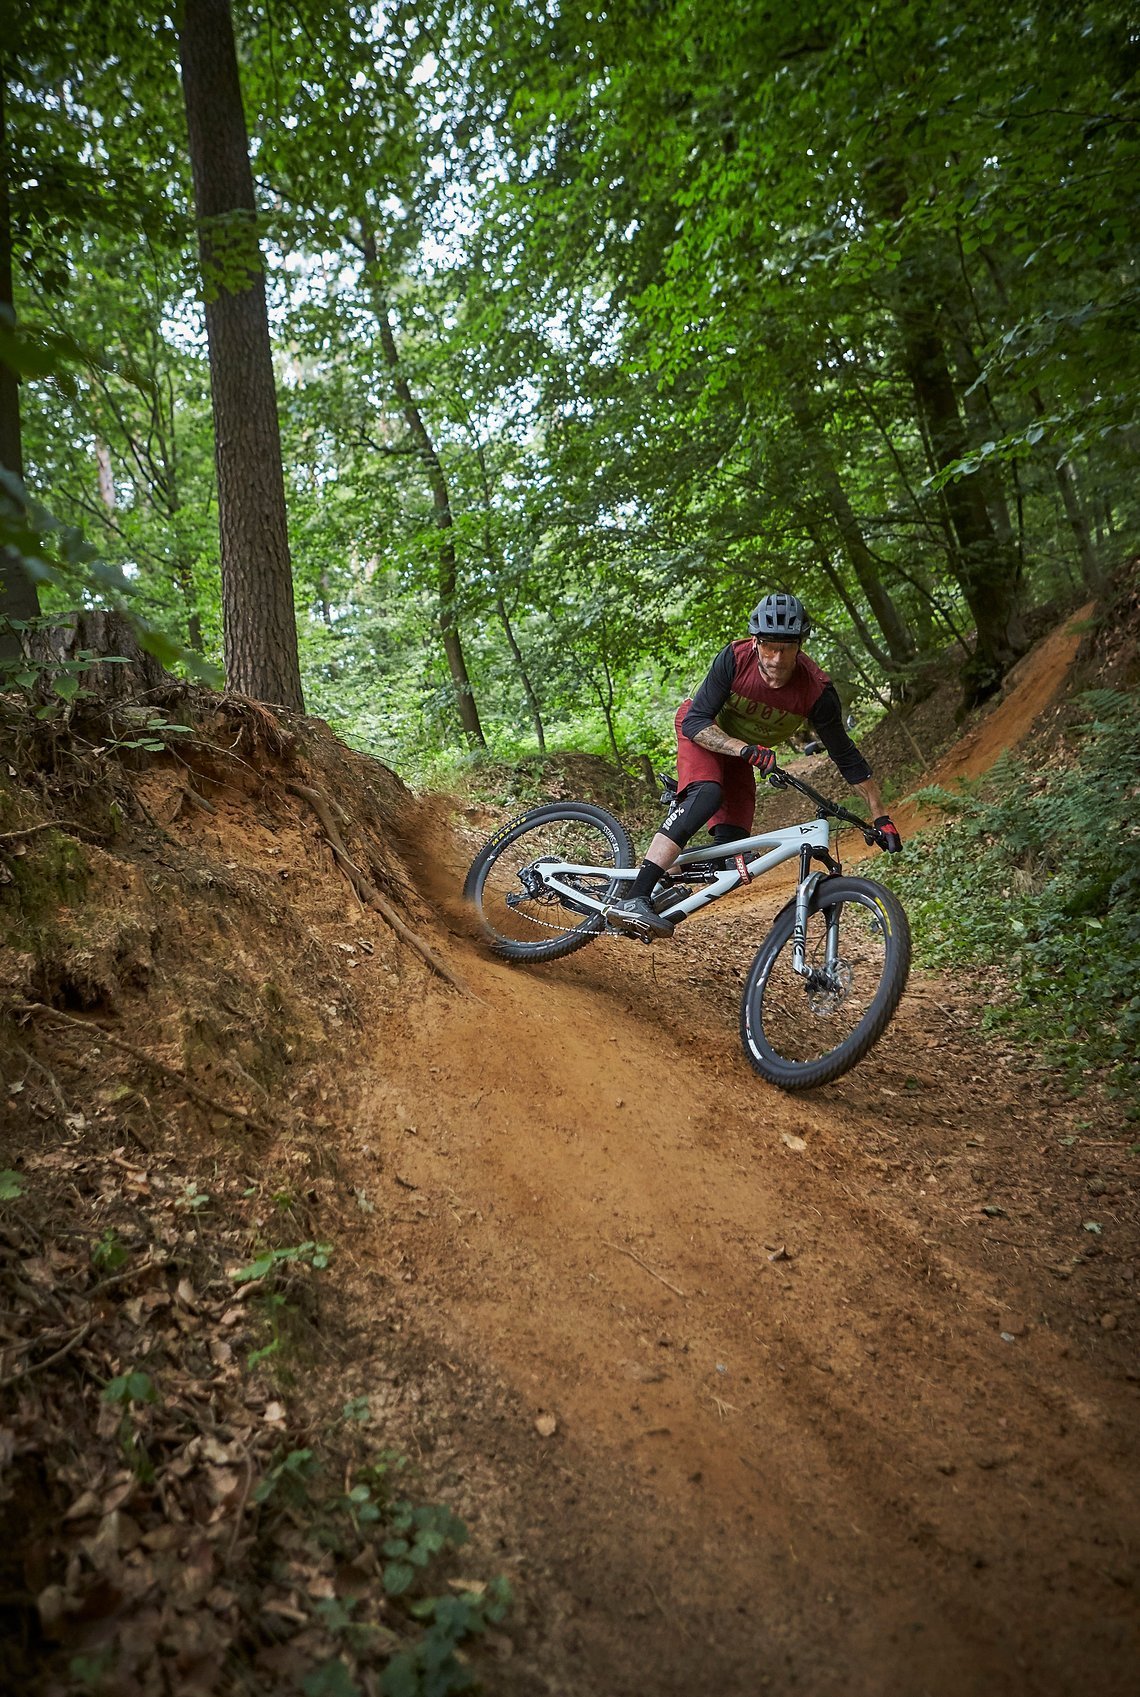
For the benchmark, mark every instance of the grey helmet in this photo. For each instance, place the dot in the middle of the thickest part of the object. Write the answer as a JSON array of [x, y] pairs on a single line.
[[780, 618]]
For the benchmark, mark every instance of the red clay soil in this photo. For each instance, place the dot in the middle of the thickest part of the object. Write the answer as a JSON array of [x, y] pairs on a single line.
[[829, 1394], [1029, 688]]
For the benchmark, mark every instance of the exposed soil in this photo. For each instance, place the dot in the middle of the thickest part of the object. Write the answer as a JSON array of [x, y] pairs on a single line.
[[746, 1392]]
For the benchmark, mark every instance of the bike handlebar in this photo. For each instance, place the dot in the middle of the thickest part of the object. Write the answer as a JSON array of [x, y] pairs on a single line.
[[781, 780]]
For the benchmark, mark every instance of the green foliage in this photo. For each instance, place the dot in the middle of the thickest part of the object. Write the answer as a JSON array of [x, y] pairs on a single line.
[[12, 1185], [109, 1254], [419, 1646], [1038, 881], [310, 1254], [288, 1479], [130, 1388], [59, 679], [133, 1392]]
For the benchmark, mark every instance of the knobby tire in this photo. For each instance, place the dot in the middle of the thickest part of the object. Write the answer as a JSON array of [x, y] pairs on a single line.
[[783, 1022], [544, 929]]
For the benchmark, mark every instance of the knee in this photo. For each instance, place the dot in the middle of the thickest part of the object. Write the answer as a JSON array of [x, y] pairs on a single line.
[[694, 807]]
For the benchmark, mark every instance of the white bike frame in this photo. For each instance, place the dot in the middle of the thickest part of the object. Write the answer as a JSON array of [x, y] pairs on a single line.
[[778, 846]]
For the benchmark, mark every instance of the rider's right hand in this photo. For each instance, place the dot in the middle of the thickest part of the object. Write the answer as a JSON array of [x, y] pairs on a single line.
[[762, 758]]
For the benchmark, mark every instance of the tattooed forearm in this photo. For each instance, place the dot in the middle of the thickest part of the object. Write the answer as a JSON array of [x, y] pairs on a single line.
[[717, 741]]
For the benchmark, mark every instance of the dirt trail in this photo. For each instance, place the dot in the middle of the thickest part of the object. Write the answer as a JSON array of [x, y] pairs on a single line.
[[827, 1419], [839, 1463], [836, 1411], [1029, 688]]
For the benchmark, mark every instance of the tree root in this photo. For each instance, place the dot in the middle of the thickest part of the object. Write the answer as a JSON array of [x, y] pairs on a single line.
[[201, 1097], [365, 889], [67, 826]]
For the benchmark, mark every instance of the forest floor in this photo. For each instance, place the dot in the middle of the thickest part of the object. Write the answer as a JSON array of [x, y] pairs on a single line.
[[744, 1392]]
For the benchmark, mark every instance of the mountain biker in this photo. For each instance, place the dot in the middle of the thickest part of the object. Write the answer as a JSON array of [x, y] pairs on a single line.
[[758, 691]]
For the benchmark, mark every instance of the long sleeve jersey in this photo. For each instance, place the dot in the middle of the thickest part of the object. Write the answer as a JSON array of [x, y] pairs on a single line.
[[735, 696]]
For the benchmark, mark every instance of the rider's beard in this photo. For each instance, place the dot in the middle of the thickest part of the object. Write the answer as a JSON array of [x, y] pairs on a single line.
[[775, 676]]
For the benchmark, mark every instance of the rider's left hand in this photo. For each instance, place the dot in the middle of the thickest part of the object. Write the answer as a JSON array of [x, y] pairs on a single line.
[[889, 832]]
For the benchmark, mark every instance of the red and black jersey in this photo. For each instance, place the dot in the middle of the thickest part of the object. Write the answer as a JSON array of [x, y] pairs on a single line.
[[735, 696]]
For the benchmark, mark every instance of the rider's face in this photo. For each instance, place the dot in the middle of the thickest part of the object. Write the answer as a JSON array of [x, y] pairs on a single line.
[[777, 661]]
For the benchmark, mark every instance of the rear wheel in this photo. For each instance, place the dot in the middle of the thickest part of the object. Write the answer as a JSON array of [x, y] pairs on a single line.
[[802, 1031], [522, 919]]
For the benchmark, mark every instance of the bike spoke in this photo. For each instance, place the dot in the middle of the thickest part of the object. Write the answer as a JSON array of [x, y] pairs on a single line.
[[513, 905], [805, 1019]]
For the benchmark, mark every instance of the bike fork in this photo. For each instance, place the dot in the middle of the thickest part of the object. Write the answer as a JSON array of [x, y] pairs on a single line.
[[804, 892]]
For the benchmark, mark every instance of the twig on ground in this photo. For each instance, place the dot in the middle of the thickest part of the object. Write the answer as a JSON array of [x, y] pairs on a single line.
[[201, 1097], [53, 1082], [239, 1511], [653, 1273], [73, 1342], [367, 892]]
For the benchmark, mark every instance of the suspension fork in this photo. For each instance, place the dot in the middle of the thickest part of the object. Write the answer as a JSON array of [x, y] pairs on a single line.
[[804, 892]]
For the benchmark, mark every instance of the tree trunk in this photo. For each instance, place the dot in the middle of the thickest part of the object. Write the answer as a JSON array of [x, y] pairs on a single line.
[[494, 566], [1066, 475], [833, 577], [900, 643], [106, 474], [259, 619], [986, 568], [441, 506], [18, 597], [524, 675]]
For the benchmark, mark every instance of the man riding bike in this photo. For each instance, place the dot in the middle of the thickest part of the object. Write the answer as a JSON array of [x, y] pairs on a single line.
[[758, 691]]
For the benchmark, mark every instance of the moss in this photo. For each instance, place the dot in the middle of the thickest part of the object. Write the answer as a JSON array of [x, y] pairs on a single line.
[[51, 875]]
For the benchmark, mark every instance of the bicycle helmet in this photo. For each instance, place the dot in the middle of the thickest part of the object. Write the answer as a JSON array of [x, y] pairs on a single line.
[[780, 618]]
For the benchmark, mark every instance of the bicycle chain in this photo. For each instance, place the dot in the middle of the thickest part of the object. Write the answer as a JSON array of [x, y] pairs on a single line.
[[546, 925]]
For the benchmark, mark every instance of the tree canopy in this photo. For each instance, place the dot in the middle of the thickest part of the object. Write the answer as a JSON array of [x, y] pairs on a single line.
[[590, 326]]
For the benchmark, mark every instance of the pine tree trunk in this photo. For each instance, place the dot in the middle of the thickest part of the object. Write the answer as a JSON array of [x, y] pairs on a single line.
[[259, 620], [18, 597]]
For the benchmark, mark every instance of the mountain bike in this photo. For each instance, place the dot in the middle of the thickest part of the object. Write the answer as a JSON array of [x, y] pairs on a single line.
[[823, 985]]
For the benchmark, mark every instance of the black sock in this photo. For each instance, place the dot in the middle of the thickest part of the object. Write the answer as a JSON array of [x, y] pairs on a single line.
[[645, 880]]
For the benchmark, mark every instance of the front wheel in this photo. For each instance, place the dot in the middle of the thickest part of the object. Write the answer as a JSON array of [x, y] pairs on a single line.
[[522, 918], [799, 1031]]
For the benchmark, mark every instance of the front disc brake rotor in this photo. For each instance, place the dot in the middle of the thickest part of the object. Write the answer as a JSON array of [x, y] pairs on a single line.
[[827, 991]]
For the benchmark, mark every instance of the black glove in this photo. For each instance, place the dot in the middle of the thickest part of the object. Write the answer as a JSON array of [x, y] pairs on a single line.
[[762, 758], [889, 832]]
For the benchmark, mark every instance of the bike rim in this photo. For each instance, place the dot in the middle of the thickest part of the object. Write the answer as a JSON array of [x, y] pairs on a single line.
[[513, 914], [800, 1021]]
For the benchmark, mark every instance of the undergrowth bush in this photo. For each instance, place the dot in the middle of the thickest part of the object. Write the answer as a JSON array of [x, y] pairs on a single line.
[[1036, 877]]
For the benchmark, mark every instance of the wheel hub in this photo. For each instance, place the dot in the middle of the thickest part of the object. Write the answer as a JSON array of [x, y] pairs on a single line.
[[827, 990]]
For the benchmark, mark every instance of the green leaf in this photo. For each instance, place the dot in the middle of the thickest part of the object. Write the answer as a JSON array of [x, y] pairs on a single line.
[[331, 1680], [129, 1388], [398, 1575], [11, 1185], [400, 1678]]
